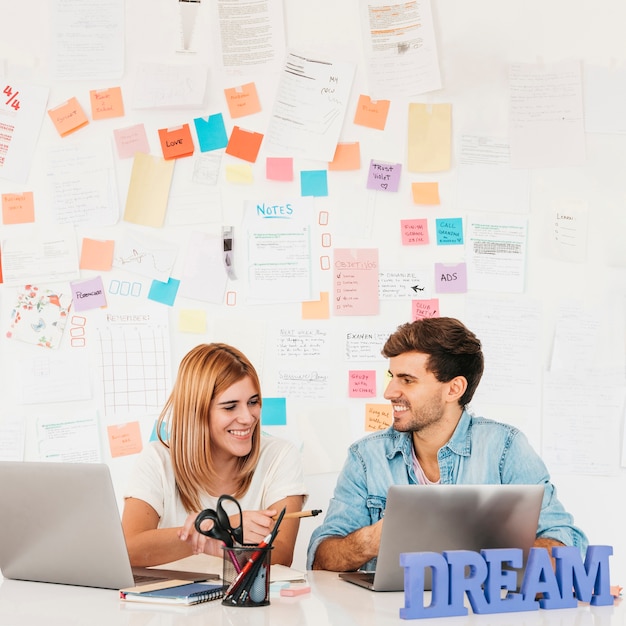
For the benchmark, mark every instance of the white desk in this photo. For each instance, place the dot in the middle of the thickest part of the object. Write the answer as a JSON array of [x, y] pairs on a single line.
[[331, 601]]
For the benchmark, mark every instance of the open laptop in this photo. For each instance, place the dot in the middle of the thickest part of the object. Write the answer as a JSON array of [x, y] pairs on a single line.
[[59, 523], [434, 518]]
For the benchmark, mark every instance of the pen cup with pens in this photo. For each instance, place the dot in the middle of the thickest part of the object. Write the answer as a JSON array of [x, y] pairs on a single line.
[[247, 573], [246, 570]]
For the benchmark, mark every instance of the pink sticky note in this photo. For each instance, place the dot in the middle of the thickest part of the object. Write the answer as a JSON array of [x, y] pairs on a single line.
[[424, 308], [279, 168], [414, 232], [131, 140], [362, 384]]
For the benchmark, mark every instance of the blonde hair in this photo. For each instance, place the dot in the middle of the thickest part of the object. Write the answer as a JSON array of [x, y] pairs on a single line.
[[205, 372]]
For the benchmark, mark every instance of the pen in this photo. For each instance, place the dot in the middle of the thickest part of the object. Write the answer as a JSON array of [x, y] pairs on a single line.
[[297, 514]]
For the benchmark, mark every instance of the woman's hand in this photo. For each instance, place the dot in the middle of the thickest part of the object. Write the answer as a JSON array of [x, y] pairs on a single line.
[[256, 525], [199, 543]]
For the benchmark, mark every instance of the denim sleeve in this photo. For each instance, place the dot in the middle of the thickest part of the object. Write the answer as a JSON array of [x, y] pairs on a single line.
[[350, 508], [523, 465]]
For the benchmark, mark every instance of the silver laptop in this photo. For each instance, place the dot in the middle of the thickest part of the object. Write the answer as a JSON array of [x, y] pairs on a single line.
[[435, 518], [59, 523]]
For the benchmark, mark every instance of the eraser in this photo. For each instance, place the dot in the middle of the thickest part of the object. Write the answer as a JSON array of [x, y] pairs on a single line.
[[295, 591]]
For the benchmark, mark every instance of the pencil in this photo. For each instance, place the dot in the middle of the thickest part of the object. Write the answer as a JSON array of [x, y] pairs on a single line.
[[297, 514]]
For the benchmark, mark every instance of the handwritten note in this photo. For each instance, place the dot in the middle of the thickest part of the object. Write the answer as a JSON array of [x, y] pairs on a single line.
[[450, 278], [355, 281], [242, 100], [449, 231], [424, 308], [384, 176], [68, 117], [414, 232], [124, 439], [362, 383], [18, 208], [371, 113], [88, 294], [106, 103], [378, 417]]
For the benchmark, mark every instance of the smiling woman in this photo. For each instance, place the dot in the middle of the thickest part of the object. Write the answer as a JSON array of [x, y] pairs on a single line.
[[210, 444]]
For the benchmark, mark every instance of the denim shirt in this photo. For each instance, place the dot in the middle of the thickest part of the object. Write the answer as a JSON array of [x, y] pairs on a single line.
[[480, 451]]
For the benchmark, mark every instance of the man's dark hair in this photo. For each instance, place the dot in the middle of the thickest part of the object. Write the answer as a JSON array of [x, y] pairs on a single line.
[[452, 349]]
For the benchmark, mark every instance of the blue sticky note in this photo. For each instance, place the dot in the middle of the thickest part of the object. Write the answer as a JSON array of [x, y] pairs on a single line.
[[211, 132], [274, 412], [449, 231], [165, 293], [163, 431], [314, 183]]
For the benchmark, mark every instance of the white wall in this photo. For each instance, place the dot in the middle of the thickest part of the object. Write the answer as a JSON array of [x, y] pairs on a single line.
[[477, 43]]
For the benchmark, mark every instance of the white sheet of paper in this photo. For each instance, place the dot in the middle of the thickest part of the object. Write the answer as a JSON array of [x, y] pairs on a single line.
[[12, 437], [22, 110], [259, 44], [486, 180], [400, 47], [546, 121], [96, 52], [69, 439], [170, 86], [309, 107], [44, 255], [82, 182], [566, 231], [279, 245], [496, 253], [145, 255]]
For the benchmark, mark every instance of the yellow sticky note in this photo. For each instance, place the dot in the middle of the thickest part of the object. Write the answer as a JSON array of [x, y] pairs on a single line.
[[378, 416], [18, 208], [429, 137], [316, 309], [148, 190], [241, 174], [192, 321], [425, 193]]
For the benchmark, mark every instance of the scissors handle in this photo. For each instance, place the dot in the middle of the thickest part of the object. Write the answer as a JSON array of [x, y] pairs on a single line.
[[216, 531]]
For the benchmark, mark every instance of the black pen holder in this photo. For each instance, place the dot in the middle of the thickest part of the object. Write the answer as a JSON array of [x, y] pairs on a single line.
[[246, 574]]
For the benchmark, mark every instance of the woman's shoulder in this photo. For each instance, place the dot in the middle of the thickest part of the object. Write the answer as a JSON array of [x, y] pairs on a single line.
[[271, 445]]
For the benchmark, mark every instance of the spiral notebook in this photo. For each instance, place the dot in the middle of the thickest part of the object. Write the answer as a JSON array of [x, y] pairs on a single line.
[[174, 592]]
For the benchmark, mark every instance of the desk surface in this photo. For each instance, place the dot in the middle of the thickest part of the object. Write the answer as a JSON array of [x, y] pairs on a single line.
[[331, 601]]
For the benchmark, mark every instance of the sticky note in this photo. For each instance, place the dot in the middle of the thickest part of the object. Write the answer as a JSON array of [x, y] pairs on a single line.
[[317, 309], [424, 308], [18, 208], [347, 157], [192, 321], [429, 137], [378, 416], [124, 439], [362, 383], [425, 193], [414, 232], [450, 277], [279, 168], [211, 132], [371, 113], [244, 144], [314, 183], [449, 231], [176, 142], [384, 176], [274, 412], [106, 103], [242, 100], [88, 294], [96, 255], [68, 117], [165, 293], [131, 140], [239, 173]]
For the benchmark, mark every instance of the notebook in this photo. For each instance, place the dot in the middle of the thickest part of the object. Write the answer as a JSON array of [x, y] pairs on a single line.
[[435, 518], [61, 524], [174, 593]]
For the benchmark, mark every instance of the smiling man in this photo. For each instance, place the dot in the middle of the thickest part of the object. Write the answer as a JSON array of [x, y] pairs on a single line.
[[435, 366]]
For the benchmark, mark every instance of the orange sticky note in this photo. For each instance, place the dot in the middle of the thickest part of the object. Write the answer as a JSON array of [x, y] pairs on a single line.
[[242, 100], [106, 103], [425, 193], [316, 309], [176, 142], [347, 157], [18, 208], [371, 113], [124, 439], [68, 117], [244, 144], [378, 416], [96, 255]]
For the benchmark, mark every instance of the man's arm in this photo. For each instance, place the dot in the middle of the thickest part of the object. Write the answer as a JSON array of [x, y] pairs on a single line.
[[345, 554]]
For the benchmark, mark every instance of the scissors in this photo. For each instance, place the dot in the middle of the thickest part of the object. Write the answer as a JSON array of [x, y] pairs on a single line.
[[221, 529]]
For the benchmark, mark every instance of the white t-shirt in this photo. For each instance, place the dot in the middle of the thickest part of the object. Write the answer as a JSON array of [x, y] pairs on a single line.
[[278, 474]]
